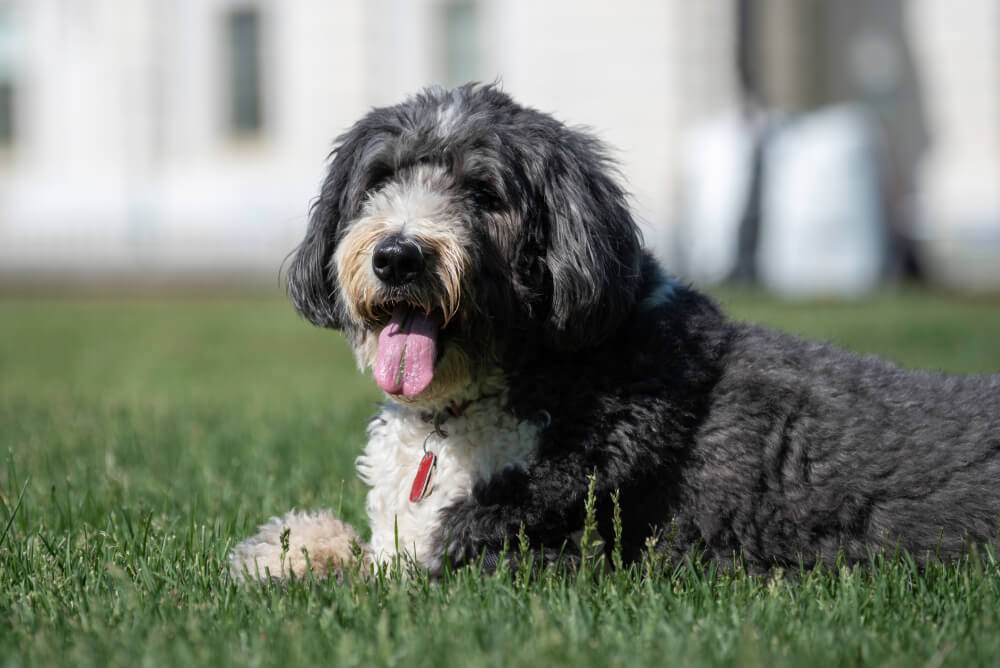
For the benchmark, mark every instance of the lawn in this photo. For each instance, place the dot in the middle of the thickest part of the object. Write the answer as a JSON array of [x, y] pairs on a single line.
[[140, 439]]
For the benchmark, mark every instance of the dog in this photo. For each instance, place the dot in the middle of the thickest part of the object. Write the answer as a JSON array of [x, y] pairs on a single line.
[[481, 259]]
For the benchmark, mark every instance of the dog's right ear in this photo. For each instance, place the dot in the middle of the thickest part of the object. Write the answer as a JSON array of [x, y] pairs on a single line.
[[358, 163], [312, 276]]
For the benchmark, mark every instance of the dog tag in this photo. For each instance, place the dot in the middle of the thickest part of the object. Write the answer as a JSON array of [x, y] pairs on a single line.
[[424, 480]]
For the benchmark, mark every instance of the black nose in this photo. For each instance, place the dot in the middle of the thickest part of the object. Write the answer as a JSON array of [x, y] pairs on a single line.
[[397, 260]]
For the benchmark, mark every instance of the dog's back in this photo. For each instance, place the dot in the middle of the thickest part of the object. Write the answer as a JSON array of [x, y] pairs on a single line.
[[799, 448], [810, 450]]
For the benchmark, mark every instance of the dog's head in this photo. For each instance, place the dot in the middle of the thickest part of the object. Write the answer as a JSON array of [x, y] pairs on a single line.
[[457, 226]]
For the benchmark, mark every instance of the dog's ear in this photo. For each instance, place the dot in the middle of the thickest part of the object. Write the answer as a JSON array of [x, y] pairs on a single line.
[[312, 276], [592, 244]]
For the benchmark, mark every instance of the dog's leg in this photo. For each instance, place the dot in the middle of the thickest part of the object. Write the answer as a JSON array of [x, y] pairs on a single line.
[[296, 543], [550, 513], [539, 558]]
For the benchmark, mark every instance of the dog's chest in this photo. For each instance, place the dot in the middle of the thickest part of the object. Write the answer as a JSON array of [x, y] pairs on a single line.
[[482, 441]]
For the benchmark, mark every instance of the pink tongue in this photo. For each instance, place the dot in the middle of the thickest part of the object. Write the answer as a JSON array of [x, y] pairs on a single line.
[[407, 350]]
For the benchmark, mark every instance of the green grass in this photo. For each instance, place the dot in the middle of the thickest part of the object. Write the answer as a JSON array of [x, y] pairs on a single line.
[[140, 440]]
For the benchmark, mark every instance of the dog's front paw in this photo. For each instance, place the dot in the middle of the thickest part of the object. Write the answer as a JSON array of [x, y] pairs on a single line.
[[472, 531], [296, 543], [535, 561]]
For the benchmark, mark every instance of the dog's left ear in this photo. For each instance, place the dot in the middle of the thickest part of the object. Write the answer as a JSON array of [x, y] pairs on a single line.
[[593, 247]]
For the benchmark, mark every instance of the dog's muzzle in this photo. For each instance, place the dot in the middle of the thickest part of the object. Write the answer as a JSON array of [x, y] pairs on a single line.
[[397, 261], [407, 345]]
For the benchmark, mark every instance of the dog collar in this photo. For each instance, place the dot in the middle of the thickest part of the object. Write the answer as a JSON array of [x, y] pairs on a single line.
[[453, 409]]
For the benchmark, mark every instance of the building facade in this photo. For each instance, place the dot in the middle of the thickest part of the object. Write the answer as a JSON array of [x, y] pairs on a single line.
[[166, 135], [190, 135]]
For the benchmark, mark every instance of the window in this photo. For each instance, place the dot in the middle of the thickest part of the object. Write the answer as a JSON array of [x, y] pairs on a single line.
[[461, 33], [6, 113], [245, 98], [7, 89]]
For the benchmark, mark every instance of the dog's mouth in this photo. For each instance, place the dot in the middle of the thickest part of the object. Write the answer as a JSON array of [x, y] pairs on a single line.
[[407, 349]]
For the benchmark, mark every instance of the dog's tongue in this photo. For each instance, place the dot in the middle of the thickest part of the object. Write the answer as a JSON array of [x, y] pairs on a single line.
[[407, 349]]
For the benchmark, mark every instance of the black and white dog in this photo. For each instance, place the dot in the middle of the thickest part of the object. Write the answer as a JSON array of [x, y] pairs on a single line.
[[483, 263]]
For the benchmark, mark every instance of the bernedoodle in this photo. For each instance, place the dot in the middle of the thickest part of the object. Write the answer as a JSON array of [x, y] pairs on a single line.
[[482, 261]]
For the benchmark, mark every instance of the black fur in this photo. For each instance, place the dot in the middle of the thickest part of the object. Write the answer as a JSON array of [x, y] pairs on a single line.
[[737, 440], [720, 436]]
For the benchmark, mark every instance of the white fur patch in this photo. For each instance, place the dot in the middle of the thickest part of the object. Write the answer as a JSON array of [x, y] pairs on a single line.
[[423, 195], [484, 440], [317, 539]]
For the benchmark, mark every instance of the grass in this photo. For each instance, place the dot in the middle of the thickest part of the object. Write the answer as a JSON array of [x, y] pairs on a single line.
[[140, 440]]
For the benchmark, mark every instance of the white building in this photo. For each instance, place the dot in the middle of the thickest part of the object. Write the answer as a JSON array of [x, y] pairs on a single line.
[[158, 136]]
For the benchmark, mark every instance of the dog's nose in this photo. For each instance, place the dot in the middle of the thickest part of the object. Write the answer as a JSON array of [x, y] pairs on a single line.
[[397, 260]]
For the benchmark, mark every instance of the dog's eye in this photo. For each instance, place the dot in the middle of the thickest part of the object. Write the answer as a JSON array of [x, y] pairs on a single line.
[[377, 178], [484, 198]]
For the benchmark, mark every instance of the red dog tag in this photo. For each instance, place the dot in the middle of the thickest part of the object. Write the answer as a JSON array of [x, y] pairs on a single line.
[[424, 480]]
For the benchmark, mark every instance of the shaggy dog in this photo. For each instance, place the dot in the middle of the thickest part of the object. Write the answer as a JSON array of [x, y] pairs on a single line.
[[482, 261]]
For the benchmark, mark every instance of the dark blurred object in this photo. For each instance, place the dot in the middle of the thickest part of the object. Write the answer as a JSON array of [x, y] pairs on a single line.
[[803, 55], [794, 203], [810, 186]]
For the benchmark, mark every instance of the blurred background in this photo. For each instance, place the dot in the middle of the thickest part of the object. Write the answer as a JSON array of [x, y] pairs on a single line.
[[800, 159], [812, 147]]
